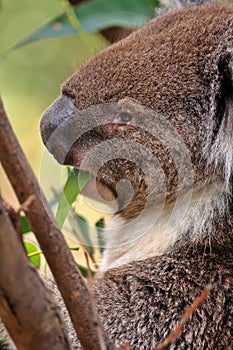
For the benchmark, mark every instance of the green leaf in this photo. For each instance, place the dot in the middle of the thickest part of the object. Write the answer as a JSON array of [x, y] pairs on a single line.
[[84, 233], [32, 250], [25, 226], [76, 249], [84, 271], [100, 224], [69, 170], [101, 14], [57, 27], [56, 197], [95, 15], [74, 184]]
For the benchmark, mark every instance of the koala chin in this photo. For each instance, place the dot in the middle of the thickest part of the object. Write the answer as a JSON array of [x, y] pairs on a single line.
[[151, 118]]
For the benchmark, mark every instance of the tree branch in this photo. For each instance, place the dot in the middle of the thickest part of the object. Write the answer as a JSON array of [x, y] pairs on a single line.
[[15, 219], [69, 280], [33, 320]]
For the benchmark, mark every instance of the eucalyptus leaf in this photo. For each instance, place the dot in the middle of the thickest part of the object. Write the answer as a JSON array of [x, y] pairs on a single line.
[[84, 233], [84, 271], [100, 224], [73, 186], [35, 259], [95, 15], [25, 226], [100, 14], [76, 249]]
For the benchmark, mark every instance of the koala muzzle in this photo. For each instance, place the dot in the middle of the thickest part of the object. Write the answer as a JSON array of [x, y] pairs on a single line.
[[59, 112], [53, 122]]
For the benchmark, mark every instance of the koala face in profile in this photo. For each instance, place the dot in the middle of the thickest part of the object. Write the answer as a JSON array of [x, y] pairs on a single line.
[[153, 110], [151, 118]]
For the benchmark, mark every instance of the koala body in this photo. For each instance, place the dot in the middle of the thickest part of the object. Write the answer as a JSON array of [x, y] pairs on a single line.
[[161, 103]]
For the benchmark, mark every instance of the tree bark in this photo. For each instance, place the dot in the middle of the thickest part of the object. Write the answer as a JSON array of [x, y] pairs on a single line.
[[27, 309]]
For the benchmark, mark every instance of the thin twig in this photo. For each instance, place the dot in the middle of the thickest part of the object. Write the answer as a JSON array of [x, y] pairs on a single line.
[[25, 206], [93, 303], [187, 315]]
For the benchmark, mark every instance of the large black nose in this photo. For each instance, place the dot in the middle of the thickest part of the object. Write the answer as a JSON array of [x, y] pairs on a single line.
[[62, 109]]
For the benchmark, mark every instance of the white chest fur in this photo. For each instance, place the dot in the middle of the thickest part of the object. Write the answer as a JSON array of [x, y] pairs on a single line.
[[156, 231]]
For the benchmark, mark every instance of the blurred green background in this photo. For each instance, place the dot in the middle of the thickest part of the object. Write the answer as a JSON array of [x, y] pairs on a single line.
[[30, 76]]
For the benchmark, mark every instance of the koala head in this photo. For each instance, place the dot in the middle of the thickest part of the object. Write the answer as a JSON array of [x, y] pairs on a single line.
[[152, 112]]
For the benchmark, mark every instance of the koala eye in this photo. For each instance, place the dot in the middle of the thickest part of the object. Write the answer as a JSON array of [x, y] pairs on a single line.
[[125, 117]]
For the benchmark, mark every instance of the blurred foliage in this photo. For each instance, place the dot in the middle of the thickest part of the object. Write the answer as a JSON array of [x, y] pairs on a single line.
[[75, 182], [95, 15], [100, 224], [30, 77]]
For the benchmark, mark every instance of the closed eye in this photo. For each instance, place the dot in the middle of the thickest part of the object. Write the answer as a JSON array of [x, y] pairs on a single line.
[[125, 117]]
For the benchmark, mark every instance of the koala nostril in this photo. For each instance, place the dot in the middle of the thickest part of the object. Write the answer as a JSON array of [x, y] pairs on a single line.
[[57, 149], [58, 153]]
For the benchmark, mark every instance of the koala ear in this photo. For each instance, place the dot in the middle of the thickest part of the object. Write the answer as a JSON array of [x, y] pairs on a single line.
[[224, 98], [220, 140], [219, 78]]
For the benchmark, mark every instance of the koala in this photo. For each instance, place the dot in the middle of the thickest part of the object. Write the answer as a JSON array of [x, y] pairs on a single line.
[[151, 118]]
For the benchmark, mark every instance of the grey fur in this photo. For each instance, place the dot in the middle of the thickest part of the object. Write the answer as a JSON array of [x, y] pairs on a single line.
[[178, 66]]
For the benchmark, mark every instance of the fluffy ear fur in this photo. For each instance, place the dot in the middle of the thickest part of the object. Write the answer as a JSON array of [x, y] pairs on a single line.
[[218, 149]]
